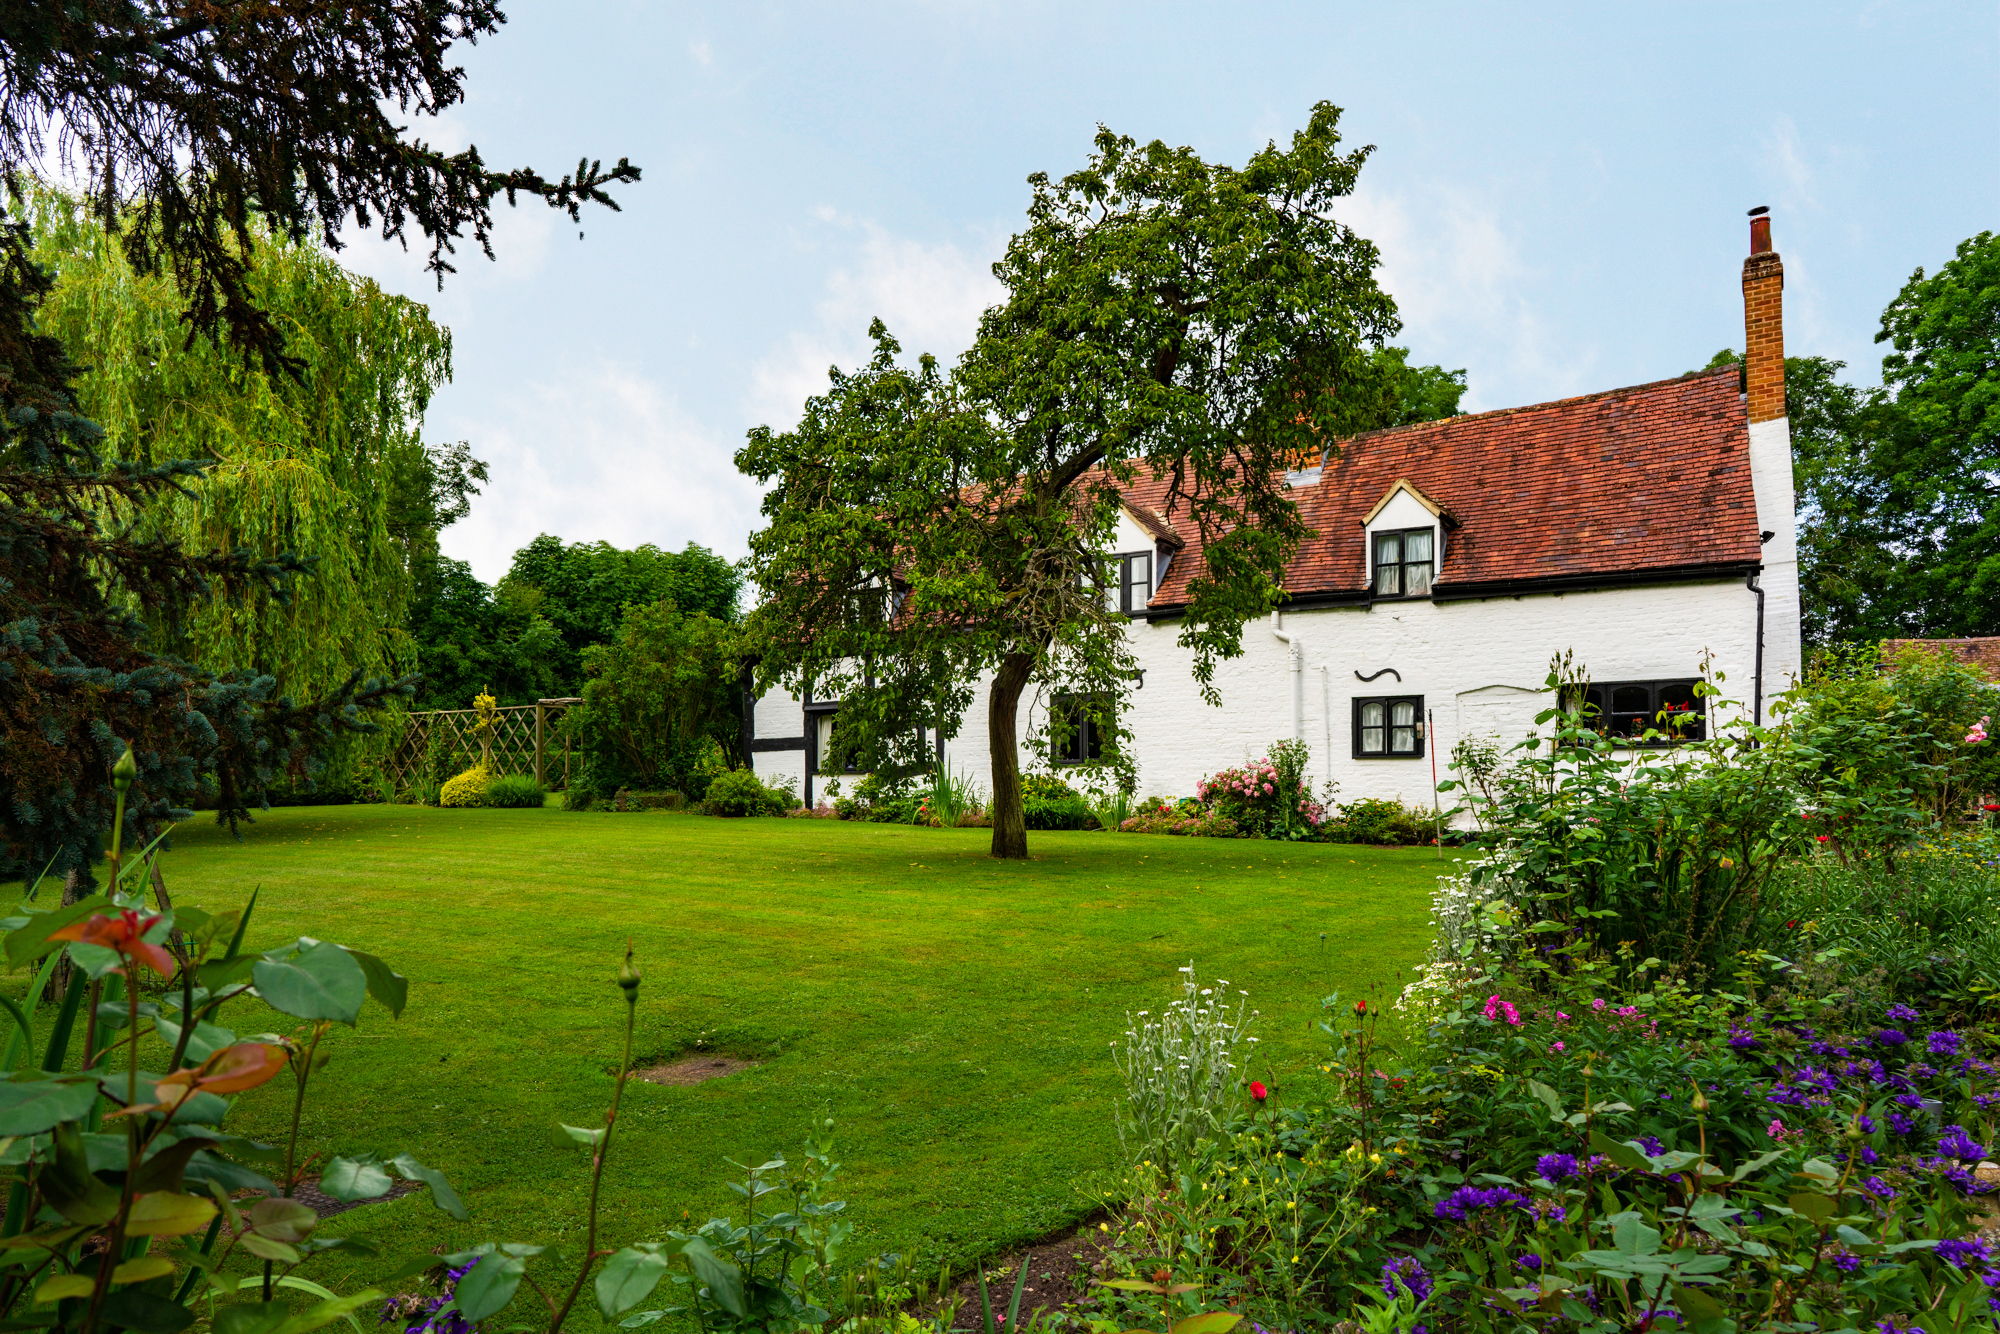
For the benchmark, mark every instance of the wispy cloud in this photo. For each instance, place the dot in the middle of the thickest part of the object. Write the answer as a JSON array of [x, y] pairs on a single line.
[[601, 454], [703, 53], [1466, 293], [930, 296]]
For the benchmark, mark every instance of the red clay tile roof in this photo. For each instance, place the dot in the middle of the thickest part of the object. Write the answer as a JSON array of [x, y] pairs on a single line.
[[1634, 483], [1981, 653]]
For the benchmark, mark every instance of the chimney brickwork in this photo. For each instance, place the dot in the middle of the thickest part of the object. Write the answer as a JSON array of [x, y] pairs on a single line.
[[1763, 325]]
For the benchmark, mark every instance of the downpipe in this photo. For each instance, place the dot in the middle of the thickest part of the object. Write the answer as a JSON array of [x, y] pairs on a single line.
[[1757, 676], [1297, 658]]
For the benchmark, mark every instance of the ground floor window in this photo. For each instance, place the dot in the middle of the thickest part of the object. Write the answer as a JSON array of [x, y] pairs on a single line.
[[1628, 709], [1077, 726], [1389, 727]]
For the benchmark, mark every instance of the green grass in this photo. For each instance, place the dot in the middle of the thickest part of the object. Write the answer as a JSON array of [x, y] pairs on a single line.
[[950, 1012]]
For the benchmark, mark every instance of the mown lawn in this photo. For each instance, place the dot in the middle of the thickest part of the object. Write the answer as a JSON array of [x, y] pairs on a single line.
[[952, 1014]]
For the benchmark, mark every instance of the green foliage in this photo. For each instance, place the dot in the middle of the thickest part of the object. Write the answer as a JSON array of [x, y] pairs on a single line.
[[1958, 705], [196, 137], [298, 465], [1380, 821], [1267, 798], [77, 590], [466, 789], [1164, 316], [517, 791], [586, 588], [1666, 850], [738, 793], [1415, 393], [663, 697], [1187, 817], [470, 637], [222, 1202], [1925, 930]]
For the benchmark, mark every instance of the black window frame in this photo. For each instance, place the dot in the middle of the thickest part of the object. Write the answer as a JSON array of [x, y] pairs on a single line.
[[1376, 564], [1125, 584], [1603, 696], [1083, 741], [1389, 727]]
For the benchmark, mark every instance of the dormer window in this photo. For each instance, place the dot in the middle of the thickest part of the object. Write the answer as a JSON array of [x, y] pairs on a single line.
[[1403, 563], [1135, 580]]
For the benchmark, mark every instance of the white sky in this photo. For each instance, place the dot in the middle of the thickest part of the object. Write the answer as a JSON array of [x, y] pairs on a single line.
[[1559, 195]]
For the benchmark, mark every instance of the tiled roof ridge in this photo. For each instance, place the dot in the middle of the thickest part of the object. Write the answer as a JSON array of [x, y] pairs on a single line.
[[1731, 368]]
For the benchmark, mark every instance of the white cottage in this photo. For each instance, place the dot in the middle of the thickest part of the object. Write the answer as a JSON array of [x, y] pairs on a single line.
[[1639, 528]]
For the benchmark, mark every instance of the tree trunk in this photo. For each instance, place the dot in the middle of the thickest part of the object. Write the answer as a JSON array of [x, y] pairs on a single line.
[[1010, 827]]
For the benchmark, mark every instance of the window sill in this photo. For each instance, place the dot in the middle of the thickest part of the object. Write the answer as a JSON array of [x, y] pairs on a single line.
[[1418, 756]]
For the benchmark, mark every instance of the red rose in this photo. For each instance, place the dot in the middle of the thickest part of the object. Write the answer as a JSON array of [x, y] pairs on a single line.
[[1361, 1007], [1258, 1091]]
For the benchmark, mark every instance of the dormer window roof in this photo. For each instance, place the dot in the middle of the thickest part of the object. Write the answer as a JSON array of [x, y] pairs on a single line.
[[1404, 486]]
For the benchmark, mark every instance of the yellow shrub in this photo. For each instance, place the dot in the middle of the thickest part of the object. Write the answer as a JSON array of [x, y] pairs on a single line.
[[468, 789]]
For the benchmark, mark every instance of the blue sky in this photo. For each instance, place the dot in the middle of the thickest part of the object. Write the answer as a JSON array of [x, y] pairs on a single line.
[[1558, 193]]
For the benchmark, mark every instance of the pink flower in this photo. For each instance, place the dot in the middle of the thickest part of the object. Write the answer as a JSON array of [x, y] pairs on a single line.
[[1598, 1005], [1557, 1047], [1495, 1008], [1561, 1018]]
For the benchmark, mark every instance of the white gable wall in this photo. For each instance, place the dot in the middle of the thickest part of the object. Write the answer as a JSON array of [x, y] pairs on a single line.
[[1480, 667]]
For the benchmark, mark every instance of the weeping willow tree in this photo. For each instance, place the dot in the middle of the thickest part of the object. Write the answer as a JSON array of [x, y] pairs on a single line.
[[308, 465]]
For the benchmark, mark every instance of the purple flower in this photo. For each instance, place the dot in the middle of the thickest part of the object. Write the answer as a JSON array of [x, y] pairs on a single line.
[[1879, 1188], [1894, 1326], [1900, 1124], [1866, 1122], [1652, 1146], [1869, 1157], [1530, 1262], [1912, 1101], [1963, 1252], [1466, 1199], [1920, 1071], [1741, 1039], [1407, 1273], [1892, 1037], [1556, 1166], [1957, 1144], [1903, 1014], [1944, 1042], [1847, 1263]]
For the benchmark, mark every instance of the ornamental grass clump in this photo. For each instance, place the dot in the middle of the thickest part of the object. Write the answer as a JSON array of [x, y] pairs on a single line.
[[1182, 1082]]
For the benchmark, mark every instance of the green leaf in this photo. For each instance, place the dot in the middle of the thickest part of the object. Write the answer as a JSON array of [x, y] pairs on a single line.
[[385, 984], [267, 1248], [1813, 1205], [1626, 1156], [355, 1179], [282, 1220], [1757, 1164], [206, 1040], [1209, 1322], [320, 1314], [1693, 1301], [590, 1137], [144, 1312], [1549, 1098], [630, 1276], [321, 981], [249, 1318], [723, 1280], [489, 1286], [28, 1105], [31, 940], [442, 1194]]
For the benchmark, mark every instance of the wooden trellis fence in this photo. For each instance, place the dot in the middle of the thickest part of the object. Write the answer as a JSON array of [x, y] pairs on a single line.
[[525, 741]]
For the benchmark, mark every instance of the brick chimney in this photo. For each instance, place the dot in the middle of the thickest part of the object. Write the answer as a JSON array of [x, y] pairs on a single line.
[[1763, 323]]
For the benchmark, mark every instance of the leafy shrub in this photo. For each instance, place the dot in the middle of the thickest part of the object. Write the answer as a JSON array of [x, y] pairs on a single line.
[[1046, 787], [468, 788], [515, 791], [1267, 798], [1180, 1071], [737, 793], [949, 799], [1071, 812], [1380, 821], [576, 797]]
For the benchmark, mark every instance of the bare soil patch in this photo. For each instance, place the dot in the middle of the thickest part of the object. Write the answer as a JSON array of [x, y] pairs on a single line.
[[698, 1069], [1059, 1274]]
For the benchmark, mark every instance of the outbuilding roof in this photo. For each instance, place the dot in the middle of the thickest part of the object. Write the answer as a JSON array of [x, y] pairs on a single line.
[[1649, 484]]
